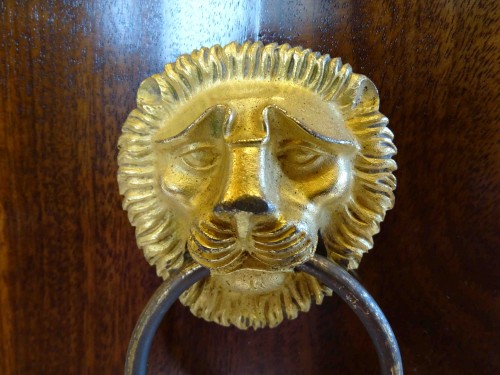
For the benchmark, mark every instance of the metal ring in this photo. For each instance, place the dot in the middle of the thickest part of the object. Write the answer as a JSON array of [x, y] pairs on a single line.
[[364, 306], [329, 273]]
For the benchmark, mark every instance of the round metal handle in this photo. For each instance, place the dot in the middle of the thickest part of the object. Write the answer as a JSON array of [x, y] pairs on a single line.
[[341, 282]]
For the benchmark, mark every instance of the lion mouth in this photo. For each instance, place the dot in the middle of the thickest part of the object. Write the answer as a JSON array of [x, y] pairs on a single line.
[[274, 245]]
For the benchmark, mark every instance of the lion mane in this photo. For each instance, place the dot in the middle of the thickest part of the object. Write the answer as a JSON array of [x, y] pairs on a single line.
[[347, 233]]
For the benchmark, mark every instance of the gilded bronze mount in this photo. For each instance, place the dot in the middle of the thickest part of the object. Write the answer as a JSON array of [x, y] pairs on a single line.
[[237, 158]]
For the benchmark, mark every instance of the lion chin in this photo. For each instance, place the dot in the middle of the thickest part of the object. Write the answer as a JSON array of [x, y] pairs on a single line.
[[254, 298]]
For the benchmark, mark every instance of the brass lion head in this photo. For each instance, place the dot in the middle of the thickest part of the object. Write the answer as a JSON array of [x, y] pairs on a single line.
[[238, 157]]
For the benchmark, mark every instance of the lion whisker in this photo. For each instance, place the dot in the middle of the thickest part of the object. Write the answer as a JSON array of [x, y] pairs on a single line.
[[211, 237], [284, 252], [278, 240], [209, 246], [295, 258], [213, 259], [210, 226], [282, 245], [283, 231]]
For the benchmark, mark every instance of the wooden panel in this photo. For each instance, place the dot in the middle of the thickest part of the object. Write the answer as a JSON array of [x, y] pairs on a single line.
[[72, 282]]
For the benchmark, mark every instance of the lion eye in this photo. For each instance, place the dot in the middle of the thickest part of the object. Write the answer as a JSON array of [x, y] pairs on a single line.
[[299, 156], [301, 161], [201, 159]]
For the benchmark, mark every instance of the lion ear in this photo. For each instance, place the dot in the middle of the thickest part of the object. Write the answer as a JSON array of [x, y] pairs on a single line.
[[361, 95], [149, 93]]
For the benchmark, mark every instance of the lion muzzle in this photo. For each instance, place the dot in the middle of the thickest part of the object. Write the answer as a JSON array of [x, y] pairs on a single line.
[[249, 241]]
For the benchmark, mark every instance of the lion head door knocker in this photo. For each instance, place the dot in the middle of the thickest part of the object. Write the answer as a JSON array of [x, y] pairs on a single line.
[[237, 157]]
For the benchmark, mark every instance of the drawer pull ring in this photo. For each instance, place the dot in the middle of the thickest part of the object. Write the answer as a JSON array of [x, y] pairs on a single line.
[[329, 273]]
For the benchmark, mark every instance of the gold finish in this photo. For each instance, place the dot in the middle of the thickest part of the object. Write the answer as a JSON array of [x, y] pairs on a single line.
[[237, 157]]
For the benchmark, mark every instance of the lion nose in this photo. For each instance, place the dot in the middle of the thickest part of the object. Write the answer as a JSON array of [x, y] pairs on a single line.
[[247, 188], [246, 203]]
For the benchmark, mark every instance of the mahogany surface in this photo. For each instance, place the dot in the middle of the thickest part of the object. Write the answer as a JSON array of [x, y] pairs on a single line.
[[72, 281]]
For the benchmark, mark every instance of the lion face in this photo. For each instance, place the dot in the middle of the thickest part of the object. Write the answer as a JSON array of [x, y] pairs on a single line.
[[242, 173], [249, 179]]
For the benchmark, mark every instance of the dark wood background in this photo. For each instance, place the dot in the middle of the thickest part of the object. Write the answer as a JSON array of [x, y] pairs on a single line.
[[73, 283]]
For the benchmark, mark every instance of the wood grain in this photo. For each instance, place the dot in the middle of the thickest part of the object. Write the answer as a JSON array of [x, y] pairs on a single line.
[[72, 282]]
